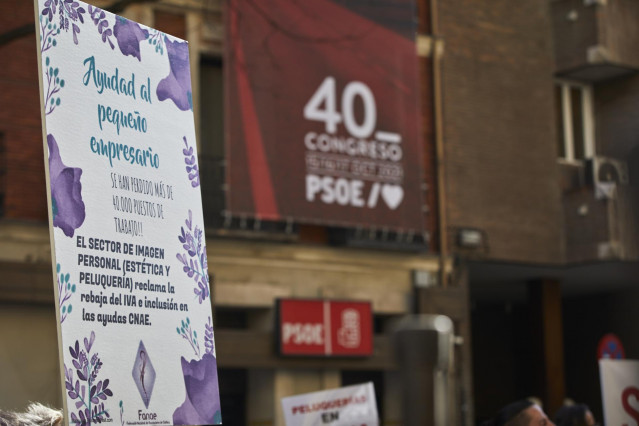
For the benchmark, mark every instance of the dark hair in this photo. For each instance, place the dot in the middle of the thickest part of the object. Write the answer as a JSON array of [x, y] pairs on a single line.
[[511, 415], [572, 415]]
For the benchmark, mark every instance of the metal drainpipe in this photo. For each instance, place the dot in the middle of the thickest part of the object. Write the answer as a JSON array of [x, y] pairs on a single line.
[[439, 142]]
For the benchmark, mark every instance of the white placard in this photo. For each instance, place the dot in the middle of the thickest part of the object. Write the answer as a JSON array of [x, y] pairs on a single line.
[[129, 255], [347, 406], [620, 391]]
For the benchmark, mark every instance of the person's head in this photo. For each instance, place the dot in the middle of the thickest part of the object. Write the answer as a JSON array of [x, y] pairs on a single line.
[[521, 413], [574, 415], [36, 415], [531, 416]]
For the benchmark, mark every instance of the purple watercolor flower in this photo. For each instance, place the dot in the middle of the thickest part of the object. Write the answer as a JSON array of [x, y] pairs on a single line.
[[101, 22], [191, 164], [198, 268], [177, 85], [209, 342], [66, 192], [129, 34], [202, 403], [91, 394], [67, 9]]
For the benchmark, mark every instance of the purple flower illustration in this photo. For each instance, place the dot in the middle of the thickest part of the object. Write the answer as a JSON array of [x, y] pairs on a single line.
[[99, 18], [177, 85], [202, 403], [66, 192], [209, 343], [66, 10], [88, 392], [191, 164], [194, 263], [129, 34]]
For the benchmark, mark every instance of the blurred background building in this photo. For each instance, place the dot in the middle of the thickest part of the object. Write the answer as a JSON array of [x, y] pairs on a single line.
[[529, 129]]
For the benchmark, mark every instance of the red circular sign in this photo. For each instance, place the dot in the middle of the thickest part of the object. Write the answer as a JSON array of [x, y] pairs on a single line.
[[610, 347]]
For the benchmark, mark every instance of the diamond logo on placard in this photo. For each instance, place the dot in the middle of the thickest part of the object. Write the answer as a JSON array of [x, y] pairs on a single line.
[[143, 374]]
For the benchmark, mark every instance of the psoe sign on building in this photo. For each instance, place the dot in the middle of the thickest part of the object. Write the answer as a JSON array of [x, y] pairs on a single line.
[[324, 327], [347, 406]]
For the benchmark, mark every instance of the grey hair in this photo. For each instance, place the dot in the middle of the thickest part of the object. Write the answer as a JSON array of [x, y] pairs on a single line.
[[521, 419], [36, 415]]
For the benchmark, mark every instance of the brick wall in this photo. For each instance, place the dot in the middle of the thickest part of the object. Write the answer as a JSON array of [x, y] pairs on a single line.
[[575, 30], [20, 117], [617, 117], [611, 28], [430, 170], [171, 23], [502, 174], [619, 32]]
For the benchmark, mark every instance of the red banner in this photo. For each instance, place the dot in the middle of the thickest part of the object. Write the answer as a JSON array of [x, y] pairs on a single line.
[[326, 328], [323, 112]]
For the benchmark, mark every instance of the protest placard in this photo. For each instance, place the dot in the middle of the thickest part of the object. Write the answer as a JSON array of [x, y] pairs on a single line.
[[347, 406], [126, 224]]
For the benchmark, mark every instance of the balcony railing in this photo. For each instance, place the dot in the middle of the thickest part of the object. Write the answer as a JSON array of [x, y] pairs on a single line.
[[220, 221]]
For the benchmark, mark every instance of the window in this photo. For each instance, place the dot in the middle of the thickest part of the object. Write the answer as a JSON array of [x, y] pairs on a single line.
[[211, 107], [575, 121], [211, 148]]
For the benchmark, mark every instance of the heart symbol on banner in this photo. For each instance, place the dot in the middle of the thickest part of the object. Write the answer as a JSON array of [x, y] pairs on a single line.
[[633, 402], [393, 195], [630, 402]]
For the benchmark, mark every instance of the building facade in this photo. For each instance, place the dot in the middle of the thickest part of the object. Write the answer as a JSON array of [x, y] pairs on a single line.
[[540, 139], [253, 262], [528, 121]]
